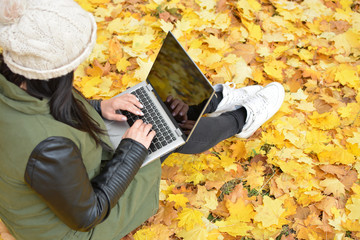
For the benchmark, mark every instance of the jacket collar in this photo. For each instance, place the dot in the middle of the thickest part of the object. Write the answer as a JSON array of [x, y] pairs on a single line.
[[16, 98]]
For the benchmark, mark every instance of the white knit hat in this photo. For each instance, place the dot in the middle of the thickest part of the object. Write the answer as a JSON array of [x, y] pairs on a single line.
[[44, 39]]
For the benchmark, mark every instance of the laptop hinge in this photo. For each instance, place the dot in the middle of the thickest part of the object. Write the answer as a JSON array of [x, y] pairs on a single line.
[[178, 132], [149, 87]]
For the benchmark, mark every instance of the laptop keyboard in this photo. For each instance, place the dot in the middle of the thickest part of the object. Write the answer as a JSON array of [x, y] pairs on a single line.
[[164, 135]]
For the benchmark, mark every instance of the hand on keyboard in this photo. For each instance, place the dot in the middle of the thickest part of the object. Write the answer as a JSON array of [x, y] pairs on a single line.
[[127, 102], [140, 132]]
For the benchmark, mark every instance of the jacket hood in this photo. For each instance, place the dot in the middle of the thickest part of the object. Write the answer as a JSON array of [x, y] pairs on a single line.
[[16, 98]]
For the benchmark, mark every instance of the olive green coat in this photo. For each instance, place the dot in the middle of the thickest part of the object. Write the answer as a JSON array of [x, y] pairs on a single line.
[[25, 121]]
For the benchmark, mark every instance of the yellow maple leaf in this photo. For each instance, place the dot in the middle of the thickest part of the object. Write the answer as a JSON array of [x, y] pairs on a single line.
[[269, 213], [115, 51], [248, 7], [352, 225], [144, 70], [105, 86], [222, 21], [197, 233], [306, 55], [98, 53], [352, 110], [166, 26], [334, 186], [357, 167], [207, 198], [142, 42], [334, 154], [129, 80], [347, 75], [207, 4], [196, 178], [216, 43], [194, 53], [85, 4], [188, 218], [122, 64], [94, 71], [273, 137], [228, 163], [234, 228], [90, 86], [354, 209], [239, 211], [317, 136], [238, 149], [145, 234], [324, 121], [306, 196], [254, 175], [155, 232], [209, 58], [99, 1], [296, 169], [254, 30], [179, 199], [242, 71], [274, 69]]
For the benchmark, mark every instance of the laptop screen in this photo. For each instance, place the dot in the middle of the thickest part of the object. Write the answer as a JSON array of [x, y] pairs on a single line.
[[177, 80]]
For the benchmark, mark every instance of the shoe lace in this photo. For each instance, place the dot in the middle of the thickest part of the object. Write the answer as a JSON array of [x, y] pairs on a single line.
[[234, 97]]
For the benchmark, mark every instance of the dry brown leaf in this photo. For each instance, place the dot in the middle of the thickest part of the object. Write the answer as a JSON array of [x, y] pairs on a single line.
[[327, 203], [166, 214], [338, 170], [246, 51], [349, 179]]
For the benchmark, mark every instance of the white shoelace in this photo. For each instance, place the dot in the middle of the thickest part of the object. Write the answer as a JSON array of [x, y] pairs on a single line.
[[234, 97]]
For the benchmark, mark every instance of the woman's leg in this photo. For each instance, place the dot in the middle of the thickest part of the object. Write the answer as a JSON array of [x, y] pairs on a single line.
[[257, 105], [212, 130]]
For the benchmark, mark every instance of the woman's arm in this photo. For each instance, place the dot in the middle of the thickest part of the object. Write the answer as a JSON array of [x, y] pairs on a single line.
[[55, 170], [96, 105]]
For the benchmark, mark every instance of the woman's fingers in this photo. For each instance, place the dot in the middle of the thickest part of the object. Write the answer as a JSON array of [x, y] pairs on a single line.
[[140, 132], [147, 128], [128, 102], [116, 117], [137, 123]]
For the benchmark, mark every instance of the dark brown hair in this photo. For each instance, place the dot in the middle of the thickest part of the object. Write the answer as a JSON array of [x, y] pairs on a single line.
[[64, 107]]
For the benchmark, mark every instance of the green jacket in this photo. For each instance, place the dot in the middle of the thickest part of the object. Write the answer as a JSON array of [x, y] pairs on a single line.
[[25, 121]]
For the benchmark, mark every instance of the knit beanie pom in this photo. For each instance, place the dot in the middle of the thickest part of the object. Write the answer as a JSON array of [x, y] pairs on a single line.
[[11, 10]]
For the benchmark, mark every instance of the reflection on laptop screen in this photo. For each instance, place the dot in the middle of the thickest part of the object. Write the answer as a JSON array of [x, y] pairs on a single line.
[[175, 74]]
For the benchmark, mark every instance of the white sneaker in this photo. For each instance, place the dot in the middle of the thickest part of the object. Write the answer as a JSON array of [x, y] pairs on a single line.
[[261, 107], [232, 98]]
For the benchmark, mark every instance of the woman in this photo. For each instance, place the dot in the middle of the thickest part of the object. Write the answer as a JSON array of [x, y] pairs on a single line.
[[60, 178]]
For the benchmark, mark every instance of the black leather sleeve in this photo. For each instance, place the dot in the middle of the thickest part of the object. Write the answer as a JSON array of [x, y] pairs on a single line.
[[55, 171], [97, 105]]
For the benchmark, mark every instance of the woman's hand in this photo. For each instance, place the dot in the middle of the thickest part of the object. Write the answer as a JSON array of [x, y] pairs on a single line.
[[126, 102], [178, 108], [187, 126], [140, 132]]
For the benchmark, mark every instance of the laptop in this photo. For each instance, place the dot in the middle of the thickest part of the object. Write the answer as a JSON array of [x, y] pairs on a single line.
[[174, 74]]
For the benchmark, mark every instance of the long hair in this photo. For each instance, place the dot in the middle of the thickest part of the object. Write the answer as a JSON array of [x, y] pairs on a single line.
[[64, 107]]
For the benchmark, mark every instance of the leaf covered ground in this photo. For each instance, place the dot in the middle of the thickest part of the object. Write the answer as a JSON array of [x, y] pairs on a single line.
[[298, 176]]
